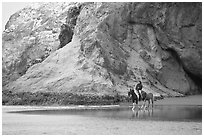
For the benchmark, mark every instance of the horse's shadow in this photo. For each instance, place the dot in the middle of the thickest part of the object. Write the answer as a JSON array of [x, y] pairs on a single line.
[[142, 113]]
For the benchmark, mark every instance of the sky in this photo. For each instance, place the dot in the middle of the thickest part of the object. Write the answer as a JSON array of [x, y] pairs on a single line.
[[9, 8]]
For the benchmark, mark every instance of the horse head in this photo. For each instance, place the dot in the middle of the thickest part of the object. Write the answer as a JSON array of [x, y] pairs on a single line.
[[130, 92]]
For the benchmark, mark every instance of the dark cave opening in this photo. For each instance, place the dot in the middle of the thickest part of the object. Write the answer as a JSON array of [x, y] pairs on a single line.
[[174, 55], [65, 35], [195, 78]]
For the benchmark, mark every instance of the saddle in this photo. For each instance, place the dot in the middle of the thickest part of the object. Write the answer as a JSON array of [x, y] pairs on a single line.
[[138, 95]]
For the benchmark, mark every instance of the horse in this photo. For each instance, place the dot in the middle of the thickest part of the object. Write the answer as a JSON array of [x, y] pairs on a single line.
[[147, 97], [144, 97], [135, 98]]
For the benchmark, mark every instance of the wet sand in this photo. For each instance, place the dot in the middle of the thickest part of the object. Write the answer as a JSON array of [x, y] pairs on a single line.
[[190, 100], [19, 124]]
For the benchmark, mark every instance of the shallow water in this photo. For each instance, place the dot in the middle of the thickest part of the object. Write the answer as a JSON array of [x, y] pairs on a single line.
[[158, 113]]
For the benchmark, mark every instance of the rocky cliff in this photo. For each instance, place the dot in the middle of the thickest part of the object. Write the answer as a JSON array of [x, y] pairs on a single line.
[[104, 48]]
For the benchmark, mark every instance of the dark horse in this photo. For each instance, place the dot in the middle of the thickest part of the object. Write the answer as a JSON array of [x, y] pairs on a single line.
[[145, 97]]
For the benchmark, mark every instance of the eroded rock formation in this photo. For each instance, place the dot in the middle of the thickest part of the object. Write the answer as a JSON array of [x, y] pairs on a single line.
[[114, 45]]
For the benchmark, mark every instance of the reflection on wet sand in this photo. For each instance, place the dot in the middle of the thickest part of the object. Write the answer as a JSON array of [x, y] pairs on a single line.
[[164, 113], [142, 113], [170, 113]]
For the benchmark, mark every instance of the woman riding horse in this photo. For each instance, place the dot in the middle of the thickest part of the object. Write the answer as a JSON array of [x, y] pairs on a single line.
[[142, 96], [139, 87]]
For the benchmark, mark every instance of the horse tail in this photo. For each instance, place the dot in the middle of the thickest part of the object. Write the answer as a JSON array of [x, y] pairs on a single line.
[[152, 100]]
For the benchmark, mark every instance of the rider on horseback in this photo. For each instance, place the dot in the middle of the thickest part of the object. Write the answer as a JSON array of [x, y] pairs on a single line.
[[138, 87]]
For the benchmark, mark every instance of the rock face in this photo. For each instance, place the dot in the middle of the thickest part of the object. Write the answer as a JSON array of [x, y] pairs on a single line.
[[30, 35], [178, 30], [114, 45]]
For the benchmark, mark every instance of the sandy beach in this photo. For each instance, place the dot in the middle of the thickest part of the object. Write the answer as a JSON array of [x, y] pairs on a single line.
[[18, 124]]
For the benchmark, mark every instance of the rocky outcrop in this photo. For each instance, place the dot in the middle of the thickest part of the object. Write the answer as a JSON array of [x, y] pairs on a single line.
[[66, 32], [116, 44], [30, 36], [177, 27]]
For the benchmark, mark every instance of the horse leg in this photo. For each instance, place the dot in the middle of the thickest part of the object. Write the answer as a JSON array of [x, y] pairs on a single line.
[[144, 104], [133, 106], [141, 106], [148, 103], [152, 102]]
